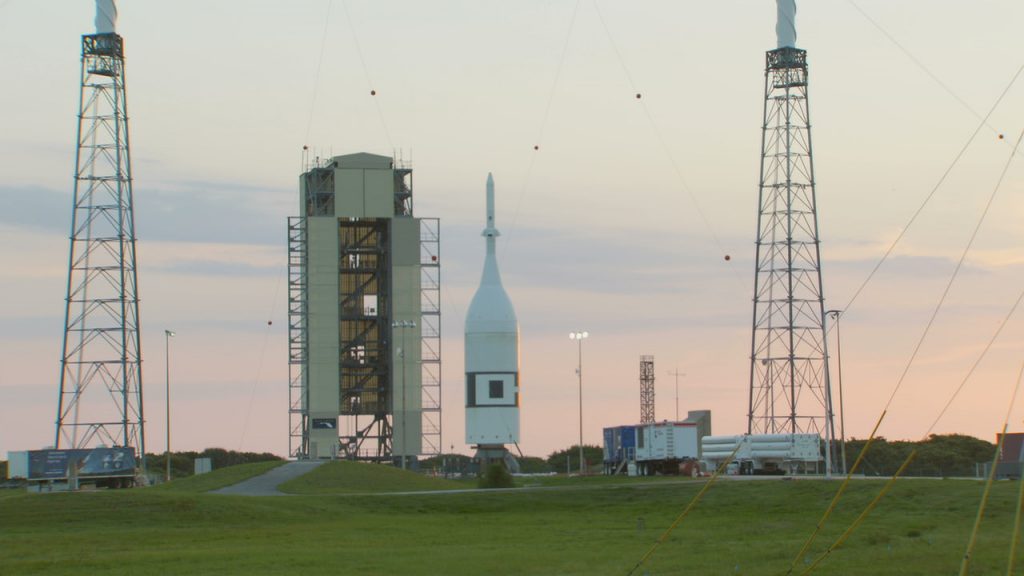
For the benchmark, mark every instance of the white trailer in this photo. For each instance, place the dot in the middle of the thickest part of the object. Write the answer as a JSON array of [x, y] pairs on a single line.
[[764, 453], [663, 445]]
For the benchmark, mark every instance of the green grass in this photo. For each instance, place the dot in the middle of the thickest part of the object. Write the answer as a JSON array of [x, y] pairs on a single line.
[[588, 527], [218, 478], [344, 477]]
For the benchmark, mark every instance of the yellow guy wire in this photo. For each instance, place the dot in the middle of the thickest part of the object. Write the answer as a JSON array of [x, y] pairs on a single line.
[[1016, 529], [871, 506], [988, 487], [686, 511], [965, 563], [906, 369], [839, 493]]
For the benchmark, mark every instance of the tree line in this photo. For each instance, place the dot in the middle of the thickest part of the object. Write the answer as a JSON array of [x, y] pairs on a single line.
[[940, 455]]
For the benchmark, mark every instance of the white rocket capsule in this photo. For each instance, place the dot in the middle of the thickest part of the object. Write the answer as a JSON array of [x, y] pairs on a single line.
[[492, 352]]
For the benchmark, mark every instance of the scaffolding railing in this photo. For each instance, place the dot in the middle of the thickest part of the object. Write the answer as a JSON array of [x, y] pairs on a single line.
[[298, 414], [430, 322]]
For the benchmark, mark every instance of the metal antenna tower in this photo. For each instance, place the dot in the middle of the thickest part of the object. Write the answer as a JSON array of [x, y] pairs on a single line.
[[646, 389], [100, 399], [789, 381]]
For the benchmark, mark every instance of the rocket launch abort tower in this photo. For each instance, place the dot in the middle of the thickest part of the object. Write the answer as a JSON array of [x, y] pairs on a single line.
[[492, 357], [789, 382], [100, 399]]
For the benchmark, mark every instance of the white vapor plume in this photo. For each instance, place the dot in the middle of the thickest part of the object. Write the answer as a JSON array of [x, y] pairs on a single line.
[[106, 17], [785, 25]]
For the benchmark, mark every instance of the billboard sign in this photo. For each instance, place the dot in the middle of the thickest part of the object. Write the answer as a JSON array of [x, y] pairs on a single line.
[[84, 463]]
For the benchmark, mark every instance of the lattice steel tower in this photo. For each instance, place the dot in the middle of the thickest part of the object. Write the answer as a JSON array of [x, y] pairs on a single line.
[[646, 389], [100, 399], [789, 382]]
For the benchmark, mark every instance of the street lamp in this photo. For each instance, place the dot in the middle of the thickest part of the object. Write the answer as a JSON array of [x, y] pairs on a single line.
[[578, 337], [401, 354], [839, 365], [168, 334]]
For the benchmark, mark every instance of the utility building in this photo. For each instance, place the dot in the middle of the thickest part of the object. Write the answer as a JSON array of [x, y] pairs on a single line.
[[364, 315]]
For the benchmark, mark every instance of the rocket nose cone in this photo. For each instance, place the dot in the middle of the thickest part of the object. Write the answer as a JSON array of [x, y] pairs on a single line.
[[490, 180]]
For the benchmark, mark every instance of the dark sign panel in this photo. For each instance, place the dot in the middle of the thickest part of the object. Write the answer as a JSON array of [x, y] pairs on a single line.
[[325, 423], [83, 463]]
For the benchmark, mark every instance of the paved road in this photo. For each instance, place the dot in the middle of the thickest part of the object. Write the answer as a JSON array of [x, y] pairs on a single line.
[[266, 484]]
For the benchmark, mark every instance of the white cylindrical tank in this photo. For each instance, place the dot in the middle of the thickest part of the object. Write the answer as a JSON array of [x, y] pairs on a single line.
[[492, 352]]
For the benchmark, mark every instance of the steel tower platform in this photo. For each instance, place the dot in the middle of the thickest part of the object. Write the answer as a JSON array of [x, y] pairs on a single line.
[[789, 381], [100, 400]]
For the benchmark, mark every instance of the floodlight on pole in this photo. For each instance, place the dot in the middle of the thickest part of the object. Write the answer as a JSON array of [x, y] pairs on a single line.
[[839, 372], [579, 336], [168, 334]]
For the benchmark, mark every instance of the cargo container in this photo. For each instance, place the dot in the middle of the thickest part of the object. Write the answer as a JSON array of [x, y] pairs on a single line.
[[656, 448], [619, 448]]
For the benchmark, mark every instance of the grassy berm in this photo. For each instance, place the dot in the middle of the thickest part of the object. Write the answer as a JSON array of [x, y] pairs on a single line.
[[345, 519]]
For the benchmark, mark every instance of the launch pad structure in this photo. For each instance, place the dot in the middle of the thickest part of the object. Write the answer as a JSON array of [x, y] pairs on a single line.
[[789, 381], [364, 315], [100, 398]]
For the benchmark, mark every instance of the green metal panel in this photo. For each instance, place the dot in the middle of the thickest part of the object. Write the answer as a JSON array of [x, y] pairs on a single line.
[[379, 193], [348, 193], [405, 298], [322, 298]]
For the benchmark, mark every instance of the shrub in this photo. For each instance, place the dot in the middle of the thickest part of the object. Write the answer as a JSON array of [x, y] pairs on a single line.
[[496, 476]]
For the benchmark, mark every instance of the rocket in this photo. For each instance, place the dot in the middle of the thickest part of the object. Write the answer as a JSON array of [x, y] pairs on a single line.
[[492, 353]]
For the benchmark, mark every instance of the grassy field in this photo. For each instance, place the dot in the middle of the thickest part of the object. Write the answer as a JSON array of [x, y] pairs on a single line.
[[355, 478], [587, 526], [219, 478]]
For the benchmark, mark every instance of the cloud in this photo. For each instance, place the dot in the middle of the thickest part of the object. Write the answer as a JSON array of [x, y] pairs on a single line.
[[182, 211]]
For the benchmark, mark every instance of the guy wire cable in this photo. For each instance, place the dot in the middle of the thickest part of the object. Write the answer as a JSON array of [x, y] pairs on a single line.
[[927, 199], [316, 80], [282, 278], [686, 511], [366, 74], [917, 62], [662, 142], [1011, 561], [899, 384], [966, 562], [543, 124]]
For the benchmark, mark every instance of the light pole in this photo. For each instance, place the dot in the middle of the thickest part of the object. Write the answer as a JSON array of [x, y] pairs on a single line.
[[839, 365], [402, 324], [168, 334], [677, 374], [578, 337]]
